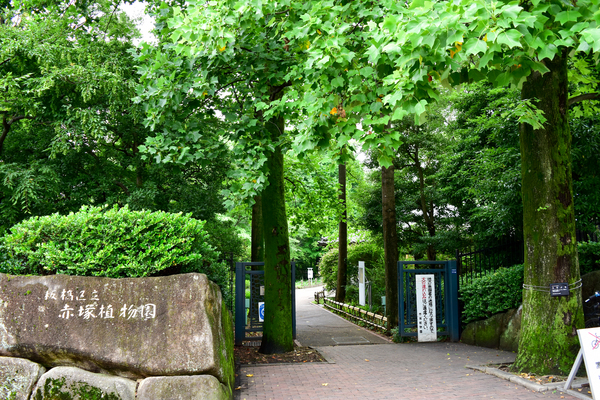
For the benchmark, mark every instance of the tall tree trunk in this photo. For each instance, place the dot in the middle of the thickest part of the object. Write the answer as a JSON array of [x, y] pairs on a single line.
[[139, 169], [390, 245], [342, 272], [5, 129], [257, 249], [548, 342], [277, 328], [428, 212]]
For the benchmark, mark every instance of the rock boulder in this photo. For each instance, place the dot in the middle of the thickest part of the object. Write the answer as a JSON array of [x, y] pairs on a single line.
[[200, 387], [18, 377], [139, 327], [76, 384]]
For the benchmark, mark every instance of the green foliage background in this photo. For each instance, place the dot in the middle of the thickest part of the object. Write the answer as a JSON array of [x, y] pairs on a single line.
[[369, 252], [589, 256]]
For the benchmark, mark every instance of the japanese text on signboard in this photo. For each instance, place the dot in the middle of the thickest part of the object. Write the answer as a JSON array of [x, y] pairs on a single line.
[[88, 305]]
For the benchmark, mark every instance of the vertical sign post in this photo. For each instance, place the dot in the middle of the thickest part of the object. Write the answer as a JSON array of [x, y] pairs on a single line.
[[361, 283], [310, 275], [426, 315]]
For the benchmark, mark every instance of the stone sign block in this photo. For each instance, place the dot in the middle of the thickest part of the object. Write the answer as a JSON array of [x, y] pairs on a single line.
[[135, 327]]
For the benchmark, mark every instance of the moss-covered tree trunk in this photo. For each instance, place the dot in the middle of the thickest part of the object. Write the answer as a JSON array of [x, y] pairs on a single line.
[[390, 244], [342, 272], [548, 342], [257, 249], [277, 328]]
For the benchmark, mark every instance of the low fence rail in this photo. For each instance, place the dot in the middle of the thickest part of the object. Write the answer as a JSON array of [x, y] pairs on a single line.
[[357, 314], [320, 296]]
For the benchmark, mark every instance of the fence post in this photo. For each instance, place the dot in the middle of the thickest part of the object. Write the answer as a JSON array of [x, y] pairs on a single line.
[[454, 322], [240, 306], [400, 267]]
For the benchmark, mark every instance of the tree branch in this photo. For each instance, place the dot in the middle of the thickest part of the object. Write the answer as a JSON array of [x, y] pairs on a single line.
[[582, 97], [111, 17], [122, 186], [278, 13], [356, 26], [229, 84], [6, 126], [290, 181]]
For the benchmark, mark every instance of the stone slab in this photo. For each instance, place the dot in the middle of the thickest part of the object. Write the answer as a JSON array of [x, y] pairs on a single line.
[[199, 387], [76, 384], [138, 327], [18, 377]]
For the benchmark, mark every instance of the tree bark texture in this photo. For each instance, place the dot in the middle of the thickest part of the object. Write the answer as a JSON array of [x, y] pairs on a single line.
[[426, 208], [342, 271], [277, 327], [257, 249], [548, 342], [390, 244]]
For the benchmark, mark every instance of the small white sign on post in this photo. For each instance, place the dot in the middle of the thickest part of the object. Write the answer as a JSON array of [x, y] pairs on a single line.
[[426, 321], [310, 275], [361, 283]]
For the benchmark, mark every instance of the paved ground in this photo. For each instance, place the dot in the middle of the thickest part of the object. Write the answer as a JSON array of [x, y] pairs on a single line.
[[381, 370], [316, 327]]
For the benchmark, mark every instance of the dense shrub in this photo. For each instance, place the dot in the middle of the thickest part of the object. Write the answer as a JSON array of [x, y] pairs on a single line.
[[114, 242], [225, 238], [492, 293], [589, 256], [372, 255]]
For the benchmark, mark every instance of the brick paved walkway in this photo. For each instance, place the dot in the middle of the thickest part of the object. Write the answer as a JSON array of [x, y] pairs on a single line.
[[385, 371]]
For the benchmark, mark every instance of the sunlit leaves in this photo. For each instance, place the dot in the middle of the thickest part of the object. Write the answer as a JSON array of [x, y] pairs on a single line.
[[345, 55], [510, 38], [567, 16]]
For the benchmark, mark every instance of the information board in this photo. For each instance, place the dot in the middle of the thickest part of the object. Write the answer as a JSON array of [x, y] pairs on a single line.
[[590, 344], [426, 321]]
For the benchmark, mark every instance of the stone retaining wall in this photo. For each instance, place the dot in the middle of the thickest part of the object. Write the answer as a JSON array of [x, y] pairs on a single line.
[[22, 379], [501, 331]]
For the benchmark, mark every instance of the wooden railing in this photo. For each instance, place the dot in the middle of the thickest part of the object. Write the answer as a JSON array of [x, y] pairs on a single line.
[[320, 296], [356, 314]]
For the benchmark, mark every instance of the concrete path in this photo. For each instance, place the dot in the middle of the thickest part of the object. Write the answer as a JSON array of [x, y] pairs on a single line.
[[316, 327], [380, 370]]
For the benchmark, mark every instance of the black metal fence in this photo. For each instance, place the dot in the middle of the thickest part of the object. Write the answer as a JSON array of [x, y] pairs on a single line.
[[475, 262]]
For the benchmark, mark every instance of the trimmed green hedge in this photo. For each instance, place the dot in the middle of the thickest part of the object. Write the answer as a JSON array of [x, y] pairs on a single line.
[[115, 242], [492, 293]]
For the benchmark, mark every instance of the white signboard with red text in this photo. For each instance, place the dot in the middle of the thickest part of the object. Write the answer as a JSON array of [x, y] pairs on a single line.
[[426, 322], [590, 345]]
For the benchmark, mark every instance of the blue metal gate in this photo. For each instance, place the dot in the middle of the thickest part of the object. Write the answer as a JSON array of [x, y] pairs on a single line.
[[247, 323], [446, 295]]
